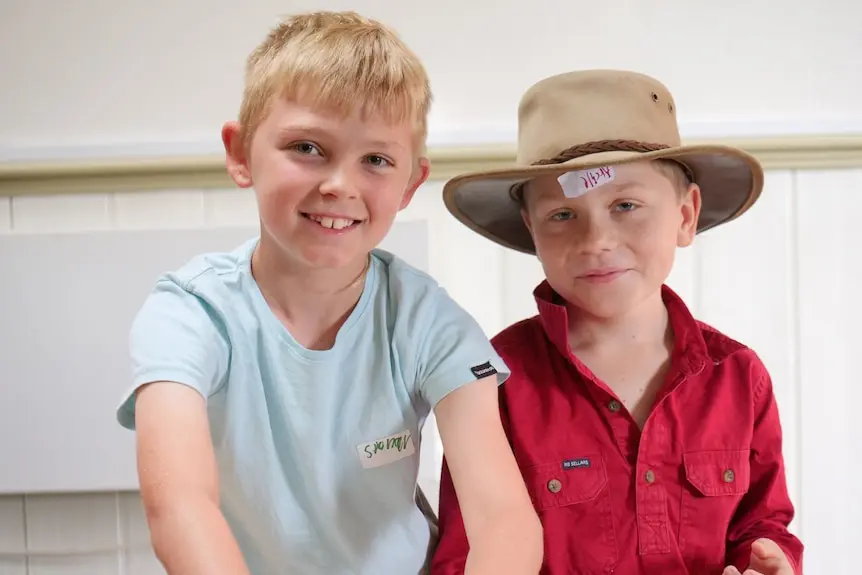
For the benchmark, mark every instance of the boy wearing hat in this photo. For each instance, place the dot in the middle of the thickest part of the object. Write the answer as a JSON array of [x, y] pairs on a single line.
[[649, 441]]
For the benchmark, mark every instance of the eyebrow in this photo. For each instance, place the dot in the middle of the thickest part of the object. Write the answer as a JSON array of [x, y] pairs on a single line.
[[300, 130], [546, 196], [615, 188], [624, 187]]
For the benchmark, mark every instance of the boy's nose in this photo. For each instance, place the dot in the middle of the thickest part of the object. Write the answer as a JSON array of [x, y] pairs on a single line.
[[338, 183], [597, 237]]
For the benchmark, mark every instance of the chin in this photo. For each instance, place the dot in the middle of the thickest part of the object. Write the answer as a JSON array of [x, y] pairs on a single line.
[[604, 304], [312, 253], [329, 259]]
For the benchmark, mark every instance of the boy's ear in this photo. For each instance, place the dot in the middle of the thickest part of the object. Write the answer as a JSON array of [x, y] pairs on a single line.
[[526, 217], [690, 208], [236, 160], [420, 174]]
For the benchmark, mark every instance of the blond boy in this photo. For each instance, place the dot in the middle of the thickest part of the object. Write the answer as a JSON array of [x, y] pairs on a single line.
[[649, 441], [280, 389]]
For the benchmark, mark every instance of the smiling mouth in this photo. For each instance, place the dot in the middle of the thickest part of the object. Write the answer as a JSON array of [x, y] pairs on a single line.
[[602, 276], [332, 223]]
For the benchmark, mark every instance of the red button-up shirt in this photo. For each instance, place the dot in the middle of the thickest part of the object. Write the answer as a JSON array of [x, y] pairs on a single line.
[[687, 495]]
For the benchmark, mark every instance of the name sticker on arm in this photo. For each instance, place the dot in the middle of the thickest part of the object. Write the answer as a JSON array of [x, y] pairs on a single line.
[[386, 450], [578, 183]]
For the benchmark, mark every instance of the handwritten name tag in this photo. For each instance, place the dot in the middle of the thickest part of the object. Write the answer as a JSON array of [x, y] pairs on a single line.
[[578, 183], [386, 450]]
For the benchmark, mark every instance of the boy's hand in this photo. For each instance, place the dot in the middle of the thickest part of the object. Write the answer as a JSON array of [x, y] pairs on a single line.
[[767, 558]]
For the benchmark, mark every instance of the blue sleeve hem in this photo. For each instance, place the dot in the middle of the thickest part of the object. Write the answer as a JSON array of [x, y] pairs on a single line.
[[126, 410], [453, 379]]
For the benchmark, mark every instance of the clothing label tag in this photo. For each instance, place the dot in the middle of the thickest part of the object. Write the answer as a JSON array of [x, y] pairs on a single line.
[[578, 183], [386, 450], [483, 370], [576, 463]]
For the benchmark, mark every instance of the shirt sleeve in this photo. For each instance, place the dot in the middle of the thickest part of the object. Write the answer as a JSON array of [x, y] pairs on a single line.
[[454, 350], [766, 510], [176, 336]]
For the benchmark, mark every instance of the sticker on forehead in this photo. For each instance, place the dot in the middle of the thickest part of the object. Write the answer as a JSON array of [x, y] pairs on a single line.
[[578, 183]]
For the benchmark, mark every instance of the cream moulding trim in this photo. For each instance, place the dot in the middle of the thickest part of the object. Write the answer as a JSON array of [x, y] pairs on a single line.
[[808, 152]]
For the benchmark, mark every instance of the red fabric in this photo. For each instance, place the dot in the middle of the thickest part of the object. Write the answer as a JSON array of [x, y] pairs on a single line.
[[711, 448]]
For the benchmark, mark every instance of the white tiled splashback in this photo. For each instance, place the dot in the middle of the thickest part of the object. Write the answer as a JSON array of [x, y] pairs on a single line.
[[97, 533], [75, 534], [106, 533]]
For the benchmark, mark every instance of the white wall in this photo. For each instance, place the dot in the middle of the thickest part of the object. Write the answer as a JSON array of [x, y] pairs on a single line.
[[782, 279], [94, 76]]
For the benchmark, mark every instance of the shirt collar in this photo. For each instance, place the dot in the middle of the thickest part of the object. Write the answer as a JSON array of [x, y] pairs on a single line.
[[690, 350]]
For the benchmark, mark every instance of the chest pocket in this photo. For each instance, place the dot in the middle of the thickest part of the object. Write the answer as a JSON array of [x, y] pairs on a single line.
[[715, 482], [573, 503]]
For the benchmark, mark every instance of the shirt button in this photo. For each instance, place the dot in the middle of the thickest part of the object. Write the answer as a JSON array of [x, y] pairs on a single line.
[[649, 476], [554, 485], [614, 405], [729, 476]]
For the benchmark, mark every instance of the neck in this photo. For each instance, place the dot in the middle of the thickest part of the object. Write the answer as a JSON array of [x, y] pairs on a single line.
[[647, 323], [311, 303]]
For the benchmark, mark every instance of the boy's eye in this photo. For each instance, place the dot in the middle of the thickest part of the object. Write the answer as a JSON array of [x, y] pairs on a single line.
[[306, 148], [626, 206], [562, 216], [378, 161]]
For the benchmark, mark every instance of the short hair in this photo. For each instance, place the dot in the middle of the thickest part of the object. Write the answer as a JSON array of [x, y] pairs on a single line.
[[337, 61], [678, 174]]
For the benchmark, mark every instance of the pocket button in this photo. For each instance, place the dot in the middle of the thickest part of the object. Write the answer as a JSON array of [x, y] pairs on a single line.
[[729, 475], [554, 485]]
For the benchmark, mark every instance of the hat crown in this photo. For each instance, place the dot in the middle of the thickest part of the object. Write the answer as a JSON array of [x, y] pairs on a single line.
[[577, 108]]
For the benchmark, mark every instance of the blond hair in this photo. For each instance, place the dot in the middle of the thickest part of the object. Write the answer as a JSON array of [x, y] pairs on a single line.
[[675, 172], [338, 61]]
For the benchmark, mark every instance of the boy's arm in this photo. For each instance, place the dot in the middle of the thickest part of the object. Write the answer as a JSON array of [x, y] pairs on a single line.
[[179, 483], [458, 374], [503, 530], [179, 358], [766, 510], [450, 557]]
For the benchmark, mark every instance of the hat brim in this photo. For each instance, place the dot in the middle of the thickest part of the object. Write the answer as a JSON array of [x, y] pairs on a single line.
[[730, 181]]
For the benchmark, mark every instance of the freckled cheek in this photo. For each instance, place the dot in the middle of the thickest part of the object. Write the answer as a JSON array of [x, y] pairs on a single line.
[[550, 240], [654, 248], [555, 251]]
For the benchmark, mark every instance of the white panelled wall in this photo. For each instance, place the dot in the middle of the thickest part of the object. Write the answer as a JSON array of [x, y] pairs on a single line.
[[781, 279]]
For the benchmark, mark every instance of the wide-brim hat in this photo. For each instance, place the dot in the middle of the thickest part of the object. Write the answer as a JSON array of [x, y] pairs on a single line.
[[590, 119]]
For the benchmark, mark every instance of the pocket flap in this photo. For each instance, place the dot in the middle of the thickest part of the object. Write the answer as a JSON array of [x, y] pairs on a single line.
[[718, 472], [566, 482]]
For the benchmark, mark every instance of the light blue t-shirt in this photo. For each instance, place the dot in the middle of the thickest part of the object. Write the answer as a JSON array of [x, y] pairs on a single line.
[[318, 451]]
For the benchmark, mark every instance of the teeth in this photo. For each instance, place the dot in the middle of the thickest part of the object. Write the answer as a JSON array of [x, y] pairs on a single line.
[[332, 223]]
